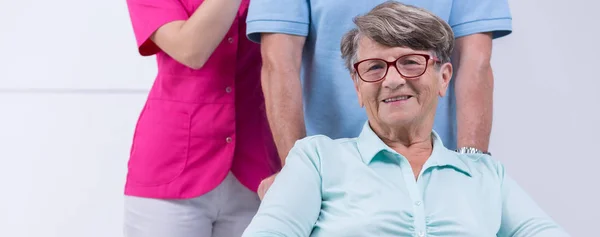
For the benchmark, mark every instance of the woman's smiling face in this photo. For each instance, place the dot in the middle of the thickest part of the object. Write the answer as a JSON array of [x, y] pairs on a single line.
[[398, 100]]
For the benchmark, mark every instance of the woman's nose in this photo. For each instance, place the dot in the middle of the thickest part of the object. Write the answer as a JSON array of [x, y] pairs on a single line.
[[393, 79]]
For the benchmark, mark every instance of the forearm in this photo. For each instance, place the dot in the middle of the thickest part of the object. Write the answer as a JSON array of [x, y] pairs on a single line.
[[283, 100], [539, 228], [474, 89], [521, 215], [192, 42], [280, 79], [474, 104]]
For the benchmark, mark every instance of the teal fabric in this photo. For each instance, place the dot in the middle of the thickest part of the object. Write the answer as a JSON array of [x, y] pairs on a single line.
[[361, 187]]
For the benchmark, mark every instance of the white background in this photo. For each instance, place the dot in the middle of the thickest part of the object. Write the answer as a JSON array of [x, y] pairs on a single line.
[[72, 85]]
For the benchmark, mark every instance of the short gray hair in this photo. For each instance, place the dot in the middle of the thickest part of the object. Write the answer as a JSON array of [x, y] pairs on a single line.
[[394, 24]]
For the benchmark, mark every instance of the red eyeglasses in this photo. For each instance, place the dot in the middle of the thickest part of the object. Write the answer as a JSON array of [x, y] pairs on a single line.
[[409, 66]]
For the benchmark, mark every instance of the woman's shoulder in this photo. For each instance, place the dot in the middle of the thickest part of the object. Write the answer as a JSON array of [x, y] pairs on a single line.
[[482, 164], [323, 143], [324, 146], [323, 139]]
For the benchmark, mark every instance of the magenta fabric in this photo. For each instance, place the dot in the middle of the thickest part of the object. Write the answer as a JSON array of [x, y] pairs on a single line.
[[197, 125]]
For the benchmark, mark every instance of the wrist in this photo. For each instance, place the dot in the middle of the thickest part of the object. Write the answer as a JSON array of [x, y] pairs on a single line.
[[471, 150]]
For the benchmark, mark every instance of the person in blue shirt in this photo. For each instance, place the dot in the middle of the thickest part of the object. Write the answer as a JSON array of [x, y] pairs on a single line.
[[396, 178], [307, 91]]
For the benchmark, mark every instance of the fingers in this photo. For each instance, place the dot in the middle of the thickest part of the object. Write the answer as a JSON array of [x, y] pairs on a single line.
[[261, 191], [264, 186]]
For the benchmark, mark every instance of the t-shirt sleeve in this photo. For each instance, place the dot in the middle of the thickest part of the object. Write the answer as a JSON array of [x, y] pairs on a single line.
[[148, 15], [277, 16], [479, 16]]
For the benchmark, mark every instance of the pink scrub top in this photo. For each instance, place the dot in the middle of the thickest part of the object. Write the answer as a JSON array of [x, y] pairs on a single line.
[[197, 125]]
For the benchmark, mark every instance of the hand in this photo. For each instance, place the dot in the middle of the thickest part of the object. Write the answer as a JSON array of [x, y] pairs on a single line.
[[265, 185]]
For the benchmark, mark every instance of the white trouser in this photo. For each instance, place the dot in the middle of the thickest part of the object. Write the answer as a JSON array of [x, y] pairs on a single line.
[[223, 212]]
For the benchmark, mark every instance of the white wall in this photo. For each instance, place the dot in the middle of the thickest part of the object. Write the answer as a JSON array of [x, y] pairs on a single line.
[[547, 108], [71, 86]]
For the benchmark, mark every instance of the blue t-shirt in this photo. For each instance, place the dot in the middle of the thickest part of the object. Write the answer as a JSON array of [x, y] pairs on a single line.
[[330, 102]]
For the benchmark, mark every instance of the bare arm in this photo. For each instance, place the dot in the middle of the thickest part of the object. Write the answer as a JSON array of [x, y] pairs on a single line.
[[192, 42], [282, 57], [474, 90]]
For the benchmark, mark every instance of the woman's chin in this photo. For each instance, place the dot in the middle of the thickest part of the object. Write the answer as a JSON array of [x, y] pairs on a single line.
[[395, 121], [396, 118]]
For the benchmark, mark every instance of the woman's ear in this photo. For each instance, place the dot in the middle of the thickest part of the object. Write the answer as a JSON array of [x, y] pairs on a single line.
[[445, 77], [357, 88]]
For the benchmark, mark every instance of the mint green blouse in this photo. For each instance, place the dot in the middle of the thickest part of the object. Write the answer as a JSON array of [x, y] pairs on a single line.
[[361, 187]]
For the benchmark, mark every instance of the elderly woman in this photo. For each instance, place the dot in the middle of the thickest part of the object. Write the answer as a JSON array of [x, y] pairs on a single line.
[[396, 178]]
